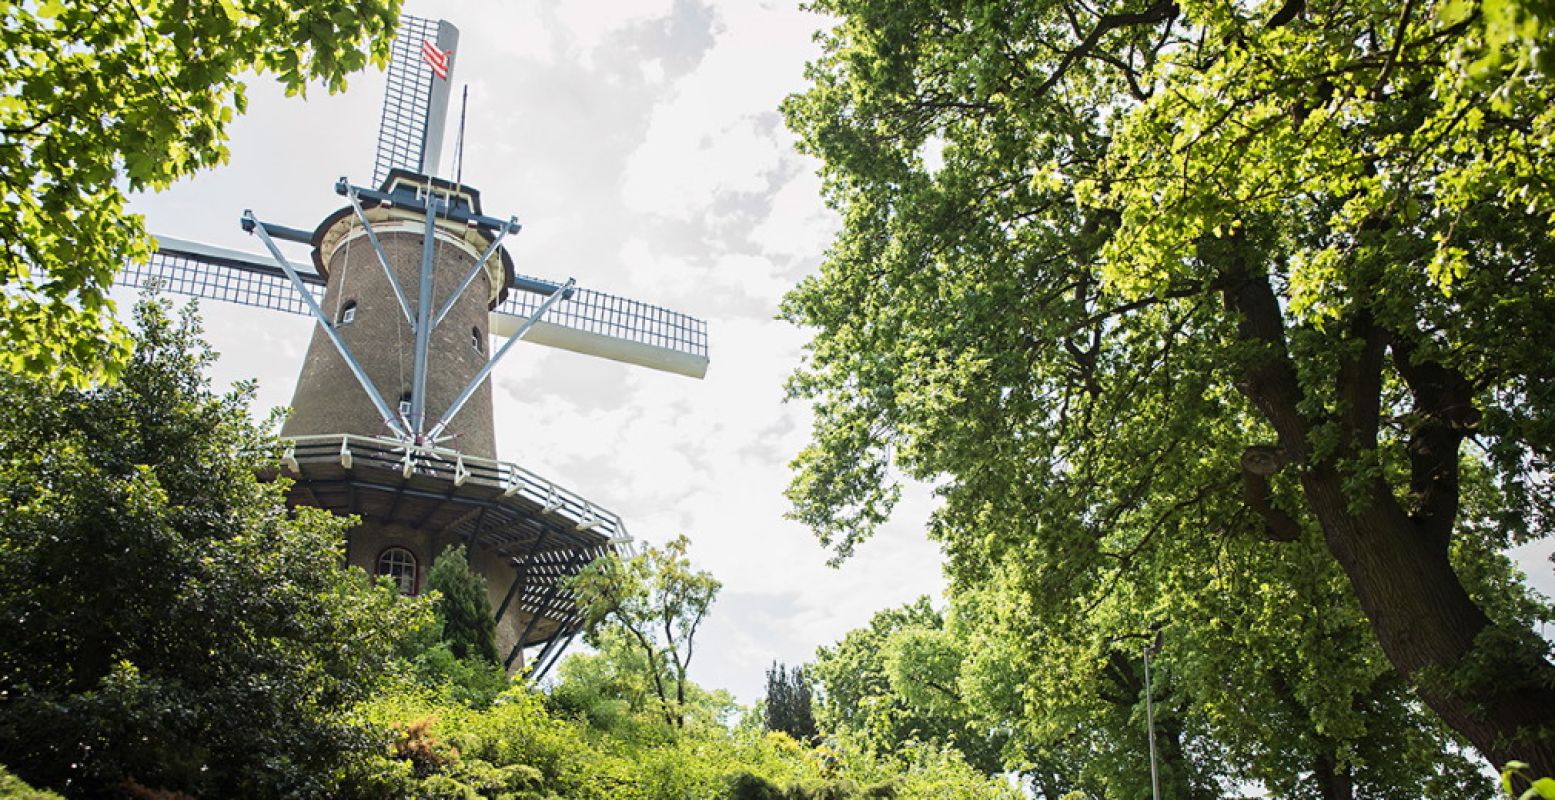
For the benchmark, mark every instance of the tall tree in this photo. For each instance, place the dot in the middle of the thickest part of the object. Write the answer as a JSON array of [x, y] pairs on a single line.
[[164, 618], [463, 607], [658, 601], [100, 98], [789, 706], [1105, 266]]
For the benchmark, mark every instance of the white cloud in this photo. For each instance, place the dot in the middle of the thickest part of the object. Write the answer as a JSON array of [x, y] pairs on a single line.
[[797, 225], [718, 131], [588, 22]]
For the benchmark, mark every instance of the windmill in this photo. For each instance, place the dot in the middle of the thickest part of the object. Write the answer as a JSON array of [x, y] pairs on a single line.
[[392, 420]]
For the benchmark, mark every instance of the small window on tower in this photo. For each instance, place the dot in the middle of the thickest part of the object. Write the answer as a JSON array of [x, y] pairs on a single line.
[[399, 564], [405, 405], [475, 340], [347, 313]]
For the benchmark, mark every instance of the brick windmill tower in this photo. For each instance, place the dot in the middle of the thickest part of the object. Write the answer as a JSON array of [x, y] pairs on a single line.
[[392, 418]]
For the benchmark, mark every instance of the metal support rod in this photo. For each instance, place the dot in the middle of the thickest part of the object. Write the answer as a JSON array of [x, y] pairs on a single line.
[[383, 258], [285, 233], [1155, 777], [418, 392], [520, 575], [475, 269], [252, 225], [543, 665], [533, 618], [560, 651], [469, 390], [545, 652]]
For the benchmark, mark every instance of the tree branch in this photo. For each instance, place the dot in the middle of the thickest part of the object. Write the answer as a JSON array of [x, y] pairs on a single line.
[[1269, 379], [1163, 10]]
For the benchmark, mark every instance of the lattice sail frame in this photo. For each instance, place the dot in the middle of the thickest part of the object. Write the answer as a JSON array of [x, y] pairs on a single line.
[[415, 100], [604, 325], [216, 273]]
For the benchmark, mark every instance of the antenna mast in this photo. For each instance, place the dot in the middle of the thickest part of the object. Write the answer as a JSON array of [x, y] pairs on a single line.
[[464, 106]]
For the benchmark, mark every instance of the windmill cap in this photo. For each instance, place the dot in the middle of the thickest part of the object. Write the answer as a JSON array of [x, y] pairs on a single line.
[[404, 191]]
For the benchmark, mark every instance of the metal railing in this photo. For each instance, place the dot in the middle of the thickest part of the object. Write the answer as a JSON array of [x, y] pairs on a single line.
[[350, 450]]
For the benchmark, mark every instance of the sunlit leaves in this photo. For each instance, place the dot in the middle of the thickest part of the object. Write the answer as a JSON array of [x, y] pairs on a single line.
[[154, 591], [130, 96], [1048, 325]]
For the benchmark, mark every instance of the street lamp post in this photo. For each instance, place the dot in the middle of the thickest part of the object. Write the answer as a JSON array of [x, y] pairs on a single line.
[[1155, 777]]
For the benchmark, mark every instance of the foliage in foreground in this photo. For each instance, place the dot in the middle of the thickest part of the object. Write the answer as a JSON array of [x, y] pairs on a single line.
[[154, 591], [13, 788], [656, 601], [99, 97], [518, 748]]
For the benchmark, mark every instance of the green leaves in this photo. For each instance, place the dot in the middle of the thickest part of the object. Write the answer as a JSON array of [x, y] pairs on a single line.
[[103, 99], [1162, 237], [153, 590], [656, 601]]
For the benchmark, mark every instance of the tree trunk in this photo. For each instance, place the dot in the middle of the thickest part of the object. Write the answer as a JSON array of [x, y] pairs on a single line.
[[1333, 783], [1499, 695], [1498, 691]]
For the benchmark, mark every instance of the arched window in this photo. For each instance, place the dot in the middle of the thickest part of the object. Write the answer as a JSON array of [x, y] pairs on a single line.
[[475, 341], [399, 564], [347, 313]]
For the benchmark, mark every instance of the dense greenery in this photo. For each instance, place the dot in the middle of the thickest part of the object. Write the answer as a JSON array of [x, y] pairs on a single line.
[[154, 591], [168, 628], [894, 683], [455, 657], [99, 98], [1221, 322]]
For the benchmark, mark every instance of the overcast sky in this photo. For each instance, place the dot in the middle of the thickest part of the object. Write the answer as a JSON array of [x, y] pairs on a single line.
[[639, 144]]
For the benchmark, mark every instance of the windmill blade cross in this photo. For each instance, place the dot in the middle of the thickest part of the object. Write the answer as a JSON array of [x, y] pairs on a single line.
[[584, 321]]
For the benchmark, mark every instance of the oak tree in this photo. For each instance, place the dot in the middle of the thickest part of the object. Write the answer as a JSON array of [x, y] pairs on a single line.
[[1105, 266]]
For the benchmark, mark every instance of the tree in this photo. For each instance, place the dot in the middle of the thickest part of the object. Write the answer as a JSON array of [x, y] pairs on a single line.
[[164, 618], [1104, 267], [658, 601], [463, 607], [100, 99], [891, 684], [788, 705]]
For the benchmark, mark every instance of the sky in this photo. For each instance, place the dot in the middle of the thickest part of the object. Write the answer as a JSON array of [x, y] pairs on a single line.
[[640, 146]]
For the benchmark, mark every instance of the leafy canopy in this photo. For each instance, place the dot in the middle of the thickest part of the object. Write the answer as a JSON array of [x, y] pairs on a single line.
[[1138, 285], [99, 99]]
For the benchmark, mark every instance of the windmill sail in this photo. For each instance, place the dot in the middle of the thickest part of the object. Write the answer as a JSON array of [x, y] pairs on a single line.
[[603, 325], [216, 273], [415, 102]]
